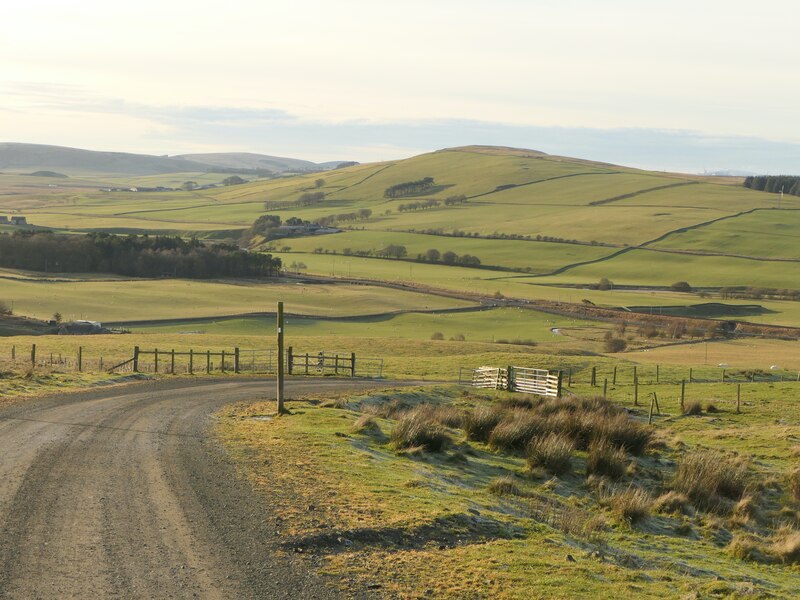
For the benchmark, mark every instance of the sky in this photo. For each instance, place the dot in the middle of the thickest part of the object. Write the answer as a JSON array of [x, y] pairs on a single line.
[[683, 85]]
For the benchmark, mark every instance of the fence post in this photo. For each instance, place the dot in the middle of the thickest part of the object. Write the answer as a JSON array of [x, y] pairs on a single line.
[[691, 374], [352, 364], [738, 398], [223, 361], [14, 352], [510, 378], [236, 360], [657, 373], [33, 355], [172, 362], [101, 363], [594, 376], [614, 380], [289, 360], [136, 359], [655, 399], [191, 361], [306, 363], [280, 408], [80, 359], [636, 392], [650, 416], [605, 388], [208, 362], [635, 376], [560, 379], [569, 377], [683, 394], [156, 360]]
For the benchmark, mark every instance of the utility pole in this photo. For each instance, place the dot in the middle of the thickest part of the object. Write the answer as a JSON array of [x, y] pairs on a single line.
[[281, 410]]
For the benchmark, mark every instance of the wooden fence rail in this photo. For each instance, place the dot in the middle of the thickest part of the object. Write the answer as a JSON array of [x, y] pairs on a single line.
[[514, 379]]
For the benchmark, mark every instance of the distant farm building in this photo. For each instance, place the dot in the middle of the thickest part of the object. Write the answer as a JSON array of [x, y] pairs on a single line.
[[4, 220], [13, 220], [82, 327]]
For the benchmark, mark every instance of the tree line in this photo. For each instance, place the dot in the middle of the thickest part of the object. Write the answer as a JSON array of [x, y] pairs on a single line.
[[131, 255], [408, 188], [789, 184], [398, 251]]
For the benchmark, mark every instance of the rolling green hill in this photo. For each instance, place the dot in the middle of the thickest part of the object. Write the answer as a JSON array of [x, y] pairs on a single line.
[[540, 225]]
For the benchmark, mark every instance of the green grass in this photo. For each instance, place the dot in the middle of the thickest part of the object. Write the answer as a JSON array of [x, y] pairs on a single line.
[[484, 326], [461, 540]]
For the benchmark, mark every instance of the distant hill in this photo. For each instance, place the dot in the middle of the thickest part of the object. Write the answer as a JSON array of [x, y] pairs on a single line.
[[253, 162], [25, 158], [16, 157]]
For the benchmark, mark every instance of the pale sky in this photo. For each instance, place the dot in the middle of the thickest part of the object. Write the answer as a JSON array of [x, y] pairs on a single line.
[[680, 84]]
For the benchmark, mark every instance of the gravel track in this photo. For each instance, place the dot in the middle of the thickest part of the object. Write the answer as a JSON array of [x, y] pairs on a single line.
[[123, 493]]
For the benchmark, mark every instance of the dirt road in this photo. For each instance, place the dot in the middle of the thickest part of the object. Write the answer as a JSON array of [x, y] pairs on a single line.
[[121, 493]]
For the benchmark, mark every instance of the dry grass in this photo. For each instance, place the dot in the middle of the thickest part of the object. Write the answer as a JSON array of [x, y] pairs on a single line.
[[631, 505], [786, 546], [693, 408], [479, 423], [417, 429], [504, 486], [515, 431], [552, 452], [605, 459], [672, 503], [794, 484], [712, 480], [746, 547], [366, 424]]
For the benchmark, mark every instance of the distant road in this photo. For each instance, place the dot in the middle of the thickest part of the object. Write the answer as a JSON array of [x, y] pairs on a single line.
[[122, 493]]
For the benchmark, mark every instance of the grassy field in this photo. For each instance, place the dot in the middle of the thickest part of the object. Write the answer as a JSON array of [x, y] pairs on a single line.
[[477, 520], [118, 300]]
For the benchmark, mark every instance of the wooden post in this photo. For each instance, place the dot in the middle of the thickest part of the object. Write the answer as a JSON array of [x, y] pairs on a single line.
[[289, 361], [650, 416], [236, 360], [101, 363], [33, 355], [636, 392], [223, 361], [14, 354], [594, 376], [136, 359], [191, 361], [281, 409], [352, 364], [614, 380], [738, 398], [605, 388], [306, 363], [172, 362], [336, 365], [208, 361], [569, 377], [691, 376], [560, 379], [657, 373], [655, 399], [510, 378], [80, 359], [635, 377], [156, 360], [683, 394]]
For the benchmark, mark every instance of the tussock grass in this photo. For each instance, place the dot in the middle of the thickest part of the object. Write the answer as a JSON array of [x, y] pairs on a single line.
[[552, 452], [672, 503], [418, 429], [786, 546], [515, 431], [631, 505], [794, 484], [605, 459], [479, 423], [712, 480], [746, 547], [504, 486], [693, 408], [366, 424]]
